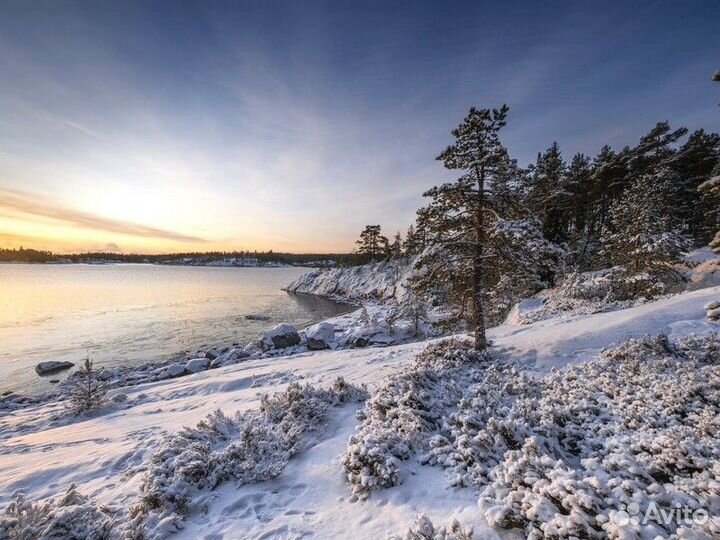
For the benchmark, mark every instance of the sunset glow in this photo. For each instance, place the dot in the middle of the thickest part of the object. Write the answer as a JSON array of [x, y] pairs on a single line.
[[253, 132]]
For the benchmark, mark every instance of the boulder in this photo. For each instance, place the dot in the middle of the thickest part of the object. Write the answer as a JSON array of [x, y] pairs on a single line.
[[320, 336], [197, 364], [212, 355], [175, 370], [45, 368], [279, 337], [233, 356]]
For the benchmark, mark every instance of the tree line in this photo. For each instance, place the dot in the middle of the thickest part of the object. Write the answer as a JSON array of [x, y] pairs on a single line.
[[39, 256], [499, 232]]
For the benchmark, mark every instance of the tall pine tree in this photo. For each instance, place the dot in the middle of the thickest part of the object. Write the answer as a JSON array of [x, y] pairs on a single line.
[[460, 212]]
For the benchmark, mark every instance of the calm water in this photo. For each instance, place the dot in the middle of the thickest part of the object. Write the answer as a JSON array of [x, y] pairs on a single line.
[[131, 314]]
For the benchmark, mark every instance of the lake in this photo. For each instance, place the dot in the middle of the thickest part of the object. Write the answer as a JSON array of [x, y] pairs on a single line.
[[132, 314]]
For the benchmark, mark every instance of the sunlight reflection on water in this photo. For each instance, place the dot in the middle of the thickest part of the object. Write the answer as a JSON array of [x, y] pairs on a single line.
[[131, 314]]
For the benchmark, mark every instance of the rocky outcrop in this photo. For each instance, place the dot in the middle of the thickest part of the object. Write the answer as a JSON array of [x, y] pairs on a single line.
[[382, 281]]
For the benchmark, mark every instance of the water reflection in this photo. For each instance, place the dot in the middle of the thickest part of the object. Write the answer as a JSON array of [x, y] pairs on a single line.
[[131, 314]]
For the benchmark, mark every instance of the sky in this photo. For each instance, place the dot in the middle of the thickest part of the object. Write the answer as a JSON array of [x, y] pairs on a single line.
[[195, 126]]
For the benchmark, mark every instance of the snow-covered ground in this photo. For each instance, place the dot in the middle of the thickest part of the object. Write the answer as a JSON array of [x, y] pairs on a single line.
[[42, 452]]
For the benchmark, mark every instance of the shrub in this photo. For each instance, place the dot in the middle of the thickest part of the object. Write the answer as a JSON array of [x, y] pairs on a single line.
[[72, 516]]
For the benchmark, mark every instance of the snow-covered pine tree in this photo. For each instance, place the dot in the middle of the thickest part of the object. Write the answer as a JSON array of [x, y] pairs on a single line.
[[712, 186], [458, 216], [699, 211], [524, 263], [413, 307], [87, 391], [641, 237]]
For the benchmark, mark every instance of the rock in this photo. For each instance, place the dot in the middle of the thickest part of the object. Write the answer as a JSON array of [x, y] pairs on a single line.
[[233, 356], [175, 370], [212, 355], [197, 364], [279, 337], [712, 310], [320, 336], [45, 368], [257, 317], [359, 342], [120, 398], [54, 381]]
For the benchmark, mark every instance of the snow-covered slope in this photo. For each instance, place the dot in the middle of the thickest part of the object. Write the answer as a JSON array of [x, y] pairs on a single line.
[[42, 453], [375, 281]]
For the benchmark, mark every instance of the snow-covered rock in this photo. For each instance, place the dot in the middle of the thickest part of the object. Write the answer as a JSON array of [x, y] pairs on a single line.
[[280, 337], [45, 368], [175, 370], [212, 355], [712, 309], [233, 356], [320, 336], [197, 364]]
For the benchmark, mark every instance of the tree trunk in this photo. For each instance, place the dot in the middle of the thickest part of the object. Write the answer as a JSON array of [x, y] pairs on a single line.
[[478, 307]]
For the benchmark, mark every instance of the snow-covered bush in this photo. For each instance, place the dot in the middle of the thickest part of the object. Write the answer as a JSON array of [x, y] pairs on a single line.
[[250, 446], [400, 414], [560, 456], [583, 293], [636, 426], [424, 529], [72, 516]]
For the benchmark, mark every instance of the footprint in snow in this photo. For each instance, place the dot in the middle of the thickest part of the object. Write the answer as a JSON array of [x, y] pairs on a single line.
[[264, 506]]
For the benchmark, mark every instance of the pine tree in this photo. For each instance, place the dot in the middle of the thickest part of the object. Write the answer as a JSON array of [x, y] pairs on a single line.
[[524, 263], [579, 184], [698, 211], [712, 186], [396, 247], [548, 198], [609, 171], [87, 390], [459, 214], [412, 306], [641, 238], [410, 244], [372, 243]]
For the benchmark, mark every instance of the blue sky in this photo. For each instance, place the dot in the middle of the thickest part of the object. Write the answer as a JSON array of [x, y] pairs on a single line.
[[160, 126]]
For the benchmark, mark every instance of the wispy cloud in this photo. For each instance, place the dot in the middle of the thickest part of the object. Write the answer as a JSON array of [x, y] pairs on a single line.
[[19, 202]]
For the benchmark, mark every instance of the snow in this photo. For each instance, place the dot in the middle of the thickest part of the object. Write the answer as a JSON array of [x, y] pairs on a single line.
[[107, 454], [381, 281]]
